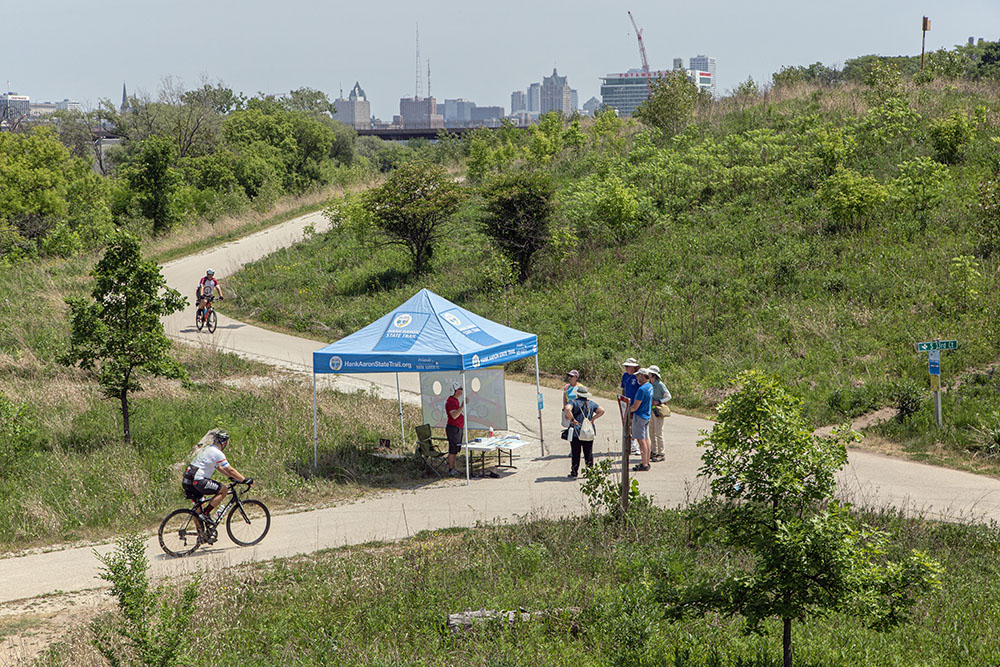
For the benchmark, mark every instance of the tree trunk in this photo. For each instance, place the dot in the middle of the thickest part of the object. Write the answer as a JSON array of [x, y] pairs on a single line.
[[786, 641], [125, 426]]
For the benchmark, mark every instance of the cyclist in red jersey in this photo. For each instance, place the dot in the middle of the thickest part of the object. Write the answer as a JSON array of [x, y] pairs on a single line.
[[207, 287]]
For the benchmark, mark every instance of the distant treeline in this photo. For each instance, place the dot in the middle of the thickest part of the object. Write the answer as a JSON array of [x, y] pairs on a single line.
[[181, 156], [966, 61]]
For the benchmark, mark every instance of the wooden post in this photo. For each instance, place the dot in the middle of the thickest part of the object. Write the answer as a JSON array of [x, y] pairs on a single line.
[[925, 26]]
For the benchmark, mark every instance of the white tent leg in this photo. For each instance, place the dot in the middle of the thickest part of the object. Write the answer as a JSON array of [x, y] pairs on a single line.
[[538, 388], [465, 433], [315, 429], [399, 400]]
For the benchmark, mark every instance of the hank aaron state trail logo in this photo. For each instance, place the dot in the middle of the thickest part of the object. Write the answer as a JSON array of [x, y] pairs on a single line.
[[402, 321], [336, 363]]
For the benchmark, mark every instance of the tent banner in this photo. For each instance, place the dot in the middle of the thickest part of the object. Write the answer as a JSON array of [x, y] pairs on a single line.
[[486, 398], [403, 331]]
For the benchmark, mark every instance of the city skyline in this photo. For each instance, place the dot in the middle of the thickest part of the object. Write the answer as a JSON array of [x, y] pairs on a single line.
[[476, 53]]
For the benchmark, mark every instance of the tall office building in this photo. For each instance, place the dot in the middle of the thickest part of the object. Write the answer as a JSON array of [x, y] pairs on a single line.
[[458, 111], [534, 98], [355, 111], [678, 63], [488, 116], [625, 91], [556, 95], [14, 107], [703, 63], [420, 113], [518, 101], [703, 79], [574, 99]]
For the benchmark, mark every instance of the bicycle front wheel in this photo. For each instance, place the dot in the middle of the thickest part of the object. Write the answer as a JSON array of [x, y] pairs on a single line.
[[248, 522], [211, 321], [180, 533]]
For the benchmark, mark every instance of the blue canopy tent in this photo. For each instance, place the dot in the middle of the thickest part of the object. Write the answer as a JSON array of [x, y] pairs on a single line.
[[427, 333]]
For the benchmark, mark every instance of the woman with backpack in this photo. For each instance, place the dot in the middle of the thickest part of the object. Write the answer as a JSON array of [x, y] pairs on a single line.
[[581, 413]]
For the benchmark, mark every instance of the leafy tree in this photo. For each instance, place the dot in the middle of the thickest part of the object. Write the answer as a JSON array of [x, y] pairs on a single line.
[[772, 487], [43, 187], [671, 103], [118, 333], [309, 99], [950, 136], [412, 207], [517, 208], [152, 178]]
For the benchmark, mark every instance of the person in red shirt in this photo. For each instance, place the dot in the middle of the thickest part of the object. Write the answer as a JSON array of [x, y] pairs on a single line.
[[454, 406]]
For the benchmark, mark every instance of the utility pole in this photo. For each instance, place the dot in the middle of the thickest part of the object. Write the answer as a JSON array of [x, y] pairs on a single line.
[[925, 26]]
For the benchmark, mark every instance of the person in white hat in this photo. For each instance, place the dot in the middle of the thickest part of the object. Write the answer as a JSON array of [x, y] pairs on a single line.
[[577, 411], [454, 406], [642, 411], [660, 412], [628, 386]]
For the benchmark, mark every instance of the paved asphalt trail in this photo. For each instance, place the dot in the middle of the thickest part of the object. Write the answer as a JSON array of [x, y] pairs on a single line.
[[538, 488]]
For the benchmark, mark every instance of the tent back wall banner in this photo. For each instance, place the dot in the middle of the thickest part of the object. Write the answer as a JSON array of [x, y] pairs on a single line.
[[427, 333], [487, 400]]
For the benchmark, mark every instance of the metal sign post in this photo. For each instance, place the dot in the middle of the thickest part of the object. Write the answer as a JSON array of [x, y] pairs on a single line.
[[933, 350]]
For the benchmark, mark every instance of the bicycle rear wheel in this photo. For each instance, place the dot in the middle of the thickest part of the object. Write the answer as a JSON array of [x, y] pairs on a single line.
[[248, 522], [211, 321], [198, 319], [180, 533]]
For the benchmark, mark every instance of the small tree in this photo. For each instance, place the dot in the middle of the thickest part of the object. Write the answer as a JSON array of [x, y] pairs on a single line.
[[671, 103], [517, 207], [773, 483], [412, 207], [119, 332], [153, 622], [920, 187]]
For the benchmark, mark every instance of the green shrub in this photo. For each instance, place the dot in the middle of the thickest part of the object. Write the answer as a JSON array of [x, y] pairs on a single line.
[[950, 136], [987, 220], [18, 435], [907, 398], [852, 199]]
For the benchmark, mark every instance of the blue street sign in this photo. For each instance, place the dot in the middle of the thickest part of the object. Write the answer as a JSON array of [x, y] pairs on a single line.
[[934, 362]]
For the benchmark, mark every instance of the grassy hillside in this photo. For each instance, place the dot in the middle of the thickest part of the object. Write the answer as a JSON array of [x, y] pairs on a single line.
[[64, 473], [386, 604], [813, 232]]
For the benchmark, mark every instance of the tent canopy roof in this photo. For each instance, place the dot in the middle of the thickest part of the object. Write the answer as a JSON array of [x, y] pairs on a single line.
[[427, 333]]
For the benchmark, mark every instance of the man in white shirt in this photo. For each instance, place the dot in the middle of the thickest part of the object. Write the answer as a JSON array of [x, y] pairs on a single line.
[[198, 475]]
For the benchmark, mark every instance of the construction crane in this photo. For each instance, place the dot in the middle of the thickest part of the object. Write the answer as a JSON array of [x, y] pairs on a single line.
[[642, 47]]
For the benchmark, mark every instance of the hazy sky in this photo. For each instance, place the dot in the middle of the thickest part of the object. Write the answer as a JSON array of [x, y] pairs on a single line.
[[55, 49]]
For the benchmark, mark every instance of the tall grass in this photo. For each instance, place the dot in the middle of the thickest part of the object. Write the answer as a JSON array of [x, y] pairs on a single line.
[[387, 604]]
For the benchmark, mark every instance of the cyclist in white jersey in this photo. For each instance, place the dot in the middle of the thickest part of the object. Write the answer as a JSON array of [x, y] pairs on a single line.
[[207, 287], [198, 475]]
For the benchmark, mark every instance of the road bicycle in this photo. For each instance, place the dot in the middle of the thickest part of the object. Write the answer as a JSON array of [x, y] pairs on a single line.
[[183, 531], [206, 316]]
